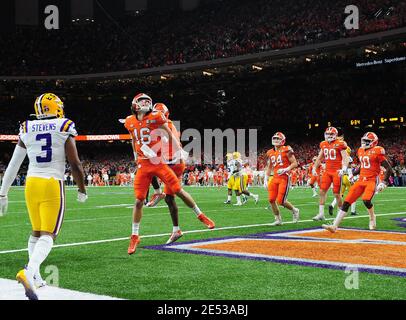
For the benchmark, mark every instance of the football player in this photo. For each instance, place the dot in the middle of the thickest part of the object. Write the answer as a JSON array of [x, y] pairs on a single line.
[[282, 160], [241, 181], [230, 177], [371, 158], [314, 182], [47, 141], [333, 151], [143, 127], [346, 185]]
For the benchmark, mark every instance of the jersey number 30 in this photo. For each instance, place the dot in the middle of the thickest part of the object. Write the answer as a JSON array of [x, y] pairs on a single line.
[[47, 147]]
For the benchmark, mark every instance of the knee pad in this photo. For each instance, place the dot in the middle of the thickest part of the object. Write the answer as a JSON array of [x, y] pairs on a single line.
[[368, 204]]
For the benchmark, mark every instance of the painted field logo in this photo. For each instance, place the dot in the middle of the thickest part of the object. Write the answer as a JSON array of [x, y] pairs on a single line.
[[368, 251]]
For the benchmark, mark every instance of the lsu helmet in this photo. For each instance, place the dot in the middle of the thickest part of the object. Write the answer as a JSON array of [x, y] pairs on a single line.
[[141, 103], [48, 105], [229, 156], [348, 151], [236, 155], [278, 139], [163, 108], [369, 140], [331, 134]]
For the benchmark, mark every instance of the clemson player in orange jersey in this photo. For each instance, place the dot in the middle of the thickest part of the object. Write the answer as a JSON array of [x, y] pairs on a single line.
[[371, 157], [314, 178], [143, 127], [282, 160], [333, 150]]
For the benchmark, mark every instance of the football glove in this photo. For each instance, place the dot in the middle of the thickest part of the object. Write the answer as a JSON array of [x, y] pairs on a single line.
[[342, 171], [381, 186], [266, 183], [82, 197], [3, 205]]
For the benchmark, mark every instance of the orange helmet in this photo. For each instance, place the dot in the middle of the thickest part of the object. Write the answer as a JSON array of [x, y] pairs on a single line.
[[278, 139], [163, 108], [331, 134], [369, 140], [141, 103]]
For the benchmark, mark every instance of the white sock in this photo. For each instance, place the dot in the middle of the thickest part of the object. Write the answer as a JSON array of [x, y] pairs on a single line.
[[371, 212], [321, 209], [41, 251], [278, 218], [175, 229], [340, 216], [249, 194], [333, 204], [228, 198], [196, 210], [32, 241], [136, 229], [353, 207], [238, 199]]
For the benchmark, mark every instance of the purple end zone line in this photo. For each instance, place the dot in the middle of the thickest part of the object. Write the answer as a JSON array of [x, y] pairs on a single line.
[[172, 248]]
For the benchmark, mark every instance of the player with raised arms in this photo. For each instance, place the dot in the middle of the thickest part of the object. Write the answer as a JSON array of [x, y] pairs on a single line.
[[47, 141], [371, 158], [333, 151], [282, 160], [143, 125]]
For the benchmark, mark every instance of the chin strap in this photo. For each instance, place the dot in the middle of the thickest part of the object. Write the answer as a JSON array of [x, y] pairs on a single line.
[[12, 169]]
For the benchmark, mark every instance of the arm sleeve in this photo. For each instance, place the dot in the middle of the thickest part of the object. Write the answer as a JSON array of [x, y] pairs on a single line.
[[12, 169]]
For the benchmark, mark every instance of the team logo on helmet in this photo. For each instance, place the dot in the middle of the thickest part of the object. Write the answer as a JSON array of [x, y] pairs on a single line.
[[278, 139], [141, 103], [331, 134], [48, 105], [369, 140]]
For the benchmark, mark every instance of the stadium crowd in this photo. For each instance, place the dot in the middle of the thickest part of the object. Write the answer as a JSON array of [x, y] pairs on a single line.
[[215, 30]]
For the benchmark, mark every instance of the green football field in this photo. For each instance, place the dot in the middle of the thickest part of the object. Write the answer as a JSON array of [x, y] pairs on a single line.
[[91, 251]]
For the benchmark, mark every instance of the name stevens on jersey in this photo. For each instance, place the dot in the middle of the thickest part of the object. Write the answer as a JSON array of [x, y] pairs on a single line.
[[39, 127]]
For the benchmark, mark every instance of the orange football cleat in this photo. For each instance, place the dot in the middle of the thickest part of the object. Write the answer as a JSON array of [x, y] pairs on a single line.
[[174, 236], [134, 241], [155, 199], [209, 223]]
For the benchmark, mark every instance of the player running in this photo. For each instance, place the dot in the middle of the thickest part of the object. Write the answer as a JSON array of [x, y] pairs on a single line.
[[47, 141], [333, 150], [371, 157], [143, 125], [282, 160]]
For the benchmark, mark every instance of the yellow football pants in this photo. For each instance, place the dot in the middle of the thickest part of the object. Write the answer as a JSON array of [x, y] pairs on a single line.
[[45, 199]]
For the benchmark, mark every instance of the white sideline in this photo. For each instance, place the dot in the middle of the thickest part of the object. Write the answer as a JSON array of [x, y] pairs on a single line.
[[199, 231], [12, 290]]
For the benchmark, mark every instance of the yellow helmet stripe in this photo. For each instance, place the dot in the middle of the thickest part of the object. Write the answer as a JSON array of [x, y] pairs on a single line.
[[39, 104]]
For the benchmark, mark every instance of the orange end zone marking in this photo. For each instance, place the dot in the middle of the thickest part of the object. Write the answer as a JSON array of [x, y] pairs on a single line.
[[380, 255], [345, 234]]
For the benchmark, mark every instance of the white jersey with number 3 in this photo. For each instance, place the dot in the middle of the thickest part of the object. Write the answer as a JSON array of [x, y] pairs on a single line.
[[45, 143]]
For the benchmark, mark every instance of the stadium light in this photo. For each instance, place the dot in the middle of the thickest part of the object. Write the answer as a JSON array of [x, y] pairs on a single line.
[[164, 77], [256, 67], [206, 73], [308, 59]]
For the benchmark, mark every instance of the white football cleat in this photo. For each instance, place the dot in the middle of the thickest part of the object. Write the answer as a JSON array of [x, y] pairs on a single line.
[[329, 227], [237, 204], [256, 198], [372, 223], [296, 215], [319, 217], [276, 223]]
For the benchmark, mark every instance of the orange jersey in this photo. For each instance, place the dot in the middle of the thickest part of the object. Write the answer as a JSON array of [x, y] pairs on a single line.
[[168, 148], [310, 170], [371, 160], [141, 131], [279, 158], [332, 154]]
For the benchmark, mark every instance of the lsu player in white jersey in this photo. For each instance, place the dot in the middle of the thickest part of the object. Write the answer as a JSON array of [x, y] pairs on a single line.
[[238, 180], [47, 141]]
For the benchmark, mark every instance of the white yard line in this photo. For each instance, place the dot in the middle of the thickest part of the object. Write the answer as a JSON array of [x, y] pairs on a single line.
[[196, 231]]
